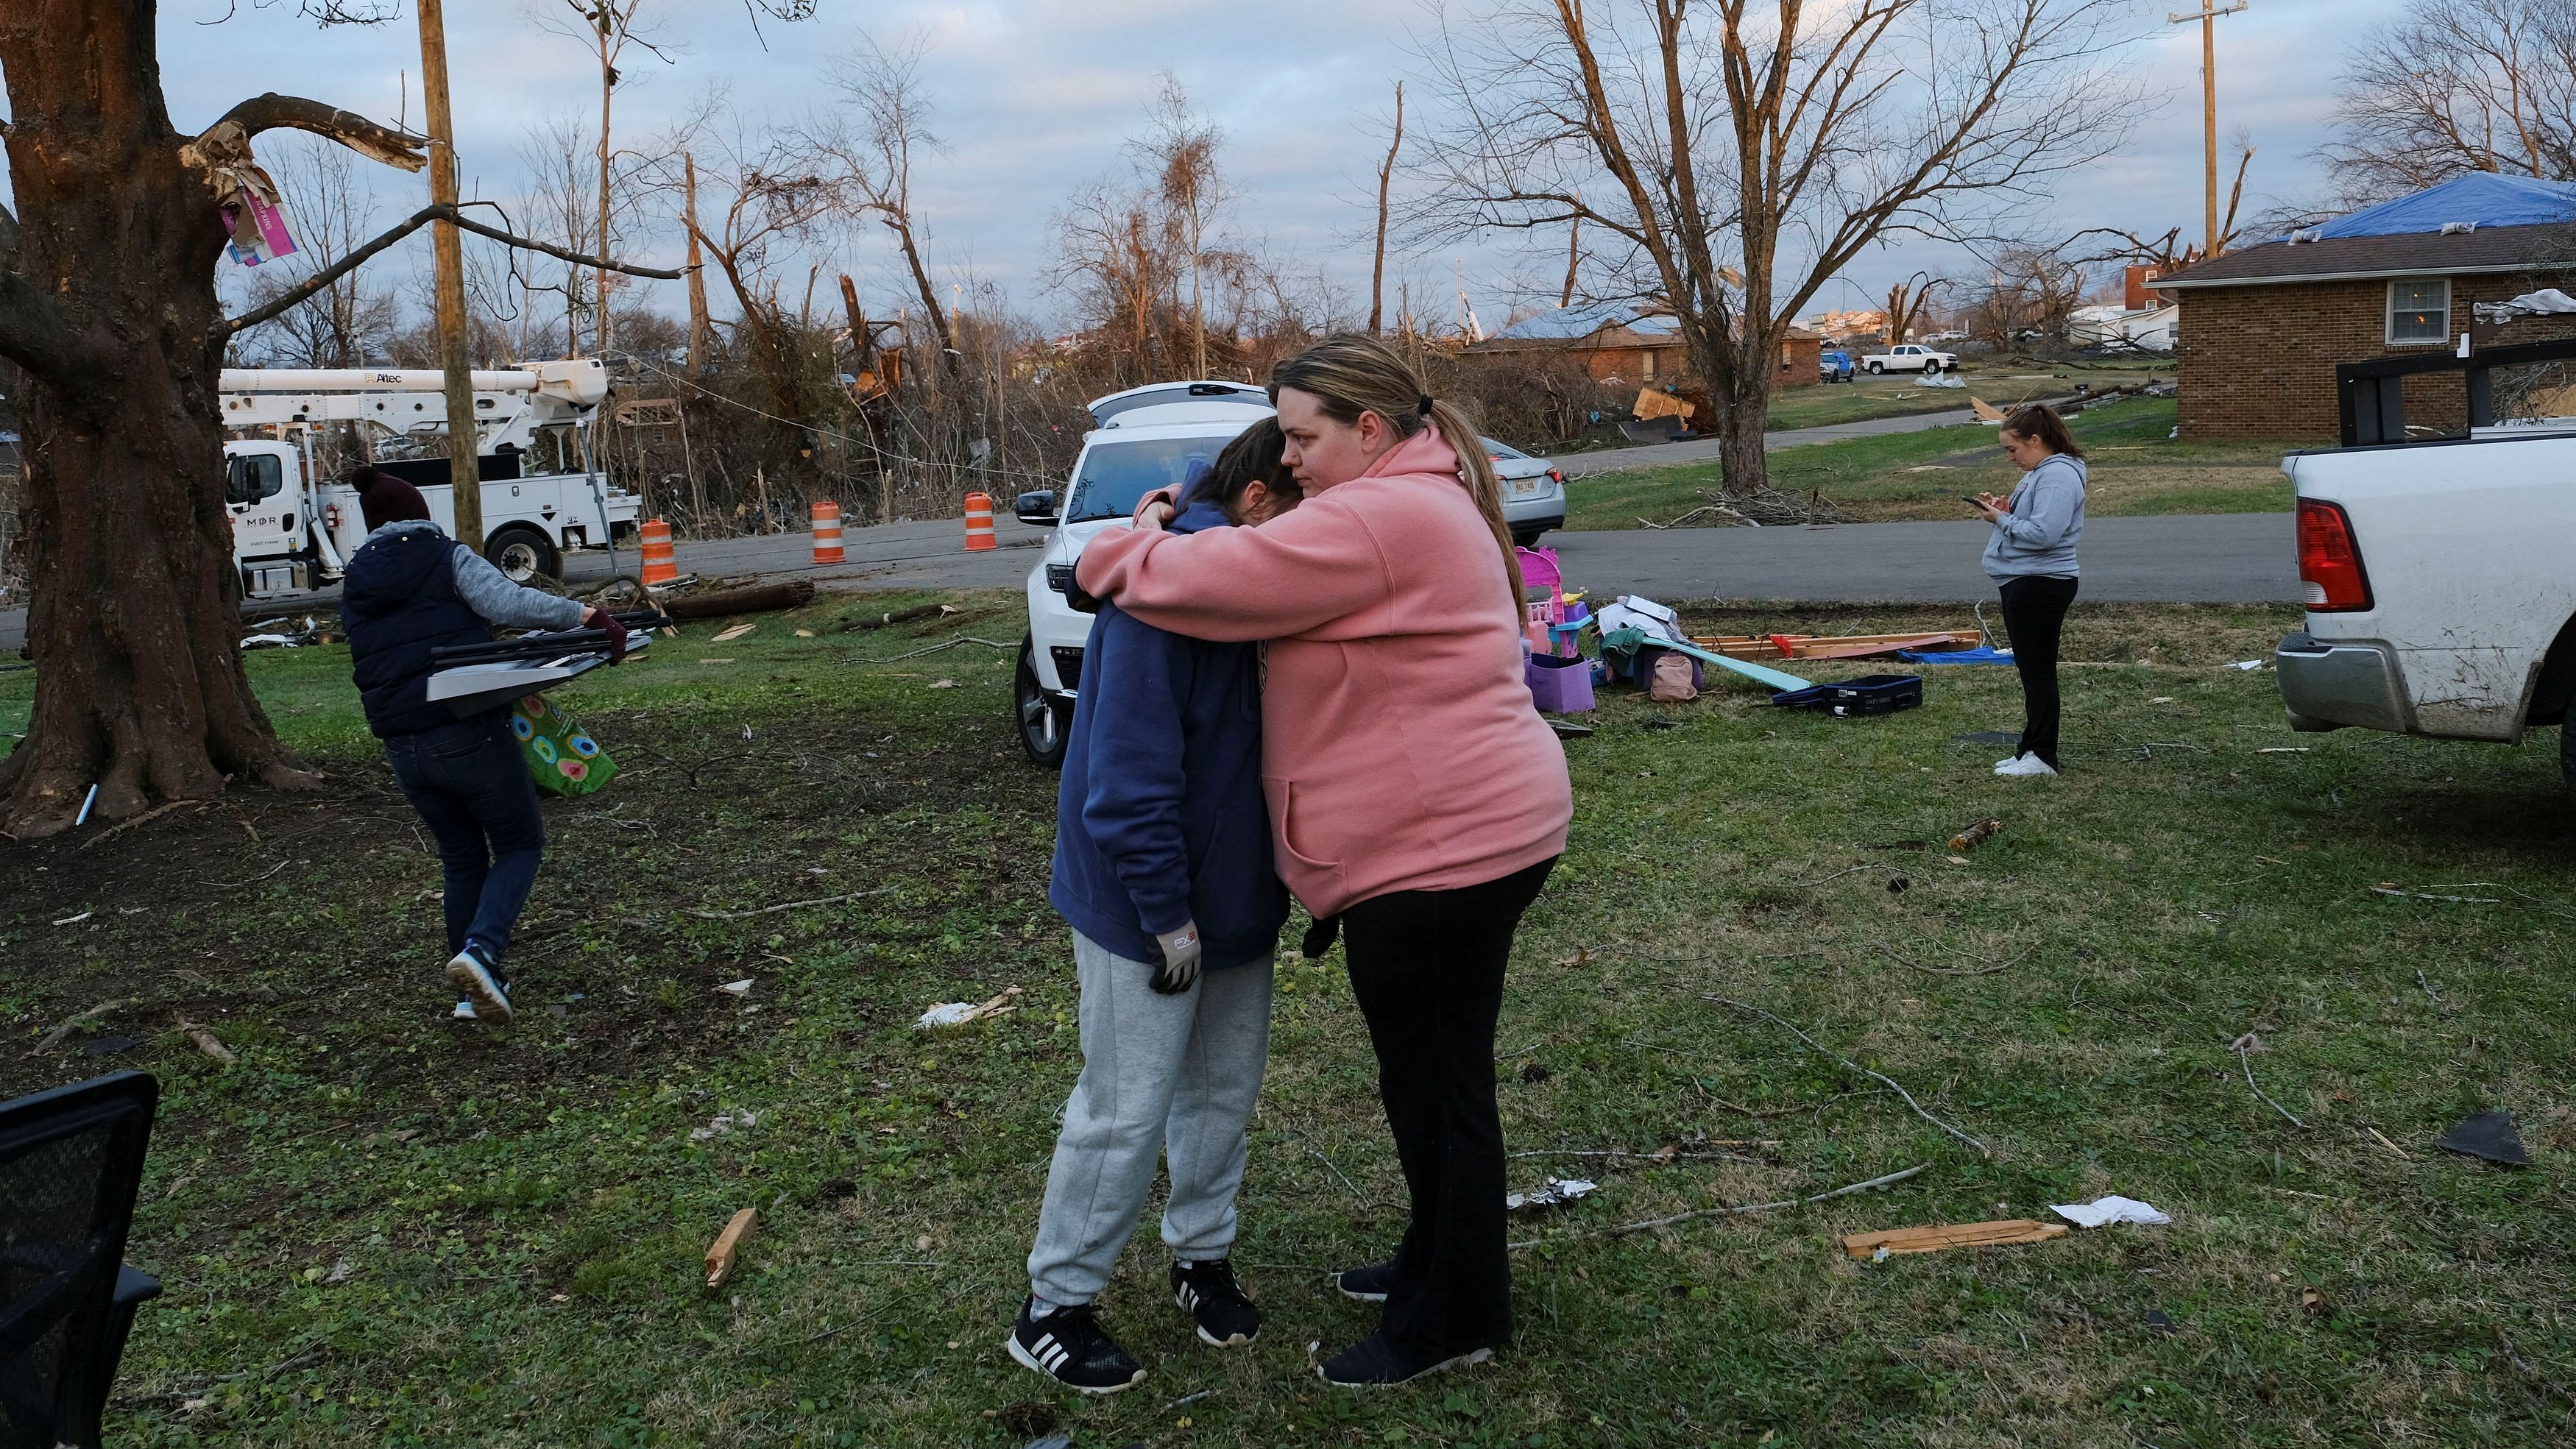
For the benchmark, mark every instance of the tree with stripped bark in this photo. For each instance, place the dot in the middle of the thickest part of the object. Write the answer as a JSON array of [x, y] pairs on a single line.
[[1731, 158]]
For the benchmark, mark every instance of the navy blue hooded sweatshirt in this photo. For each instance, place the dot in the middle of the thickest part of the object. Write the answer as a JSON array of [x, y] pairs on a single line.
[[1160, 818], [399, 601]]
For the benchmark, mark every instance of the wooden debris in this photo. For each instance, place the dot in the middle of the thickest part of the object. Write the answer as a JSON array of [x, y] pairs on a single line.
[[726, 1252], [155, 813], [54, 1038], [730, 635], [756, 599], [1868, 1246], [206, 1042], [899, 616], [1975, 835], [1833, 646]]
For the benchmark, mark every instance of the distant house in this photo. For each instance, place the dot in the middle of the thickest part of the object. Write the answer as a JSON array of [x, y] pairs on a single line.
[[2121, 329], [2261, 329], [1627, 344]]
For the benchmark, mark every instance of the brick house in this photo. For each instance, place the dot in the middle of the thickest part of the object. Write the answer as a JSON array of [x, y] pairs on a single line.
[[1628, 345], [2262, 329]]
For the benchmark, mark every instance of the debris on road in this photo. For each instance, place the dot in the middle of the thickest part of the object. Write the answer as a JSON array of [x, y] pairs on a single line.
[[2488, 1135], [1879, 1246], [725, 1253], [2102, 1211]]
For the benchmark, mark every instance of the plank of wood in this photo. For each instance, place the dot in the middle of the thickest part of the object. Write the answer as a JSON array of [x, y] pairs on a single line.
[[1812, 646], [1863, 648], [726, 1252], [1956, 1235]]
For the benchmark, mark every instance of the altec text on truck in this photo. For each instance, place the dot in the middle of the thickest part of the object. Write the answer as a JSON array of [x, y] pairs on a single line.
[[2441, 572], [295, 530]]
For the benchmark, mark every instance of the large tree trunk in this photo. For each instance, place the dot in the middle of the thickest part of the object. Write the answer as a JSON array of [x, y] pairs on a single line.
[[136, 601]]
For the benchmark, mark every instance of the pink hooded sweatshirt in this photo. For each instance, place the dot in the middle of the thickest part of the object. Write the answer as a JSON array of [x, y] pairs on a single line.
[[1400, 748]]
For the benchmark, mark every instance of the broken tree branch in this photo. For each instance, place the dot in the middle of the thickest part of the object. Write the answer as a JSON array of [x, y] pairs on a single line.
[[1851, 1065], [1725, 1212], [272, 111], [788, 906], [2250, 1042], [154, 813], [55, 1037], [297, 294]]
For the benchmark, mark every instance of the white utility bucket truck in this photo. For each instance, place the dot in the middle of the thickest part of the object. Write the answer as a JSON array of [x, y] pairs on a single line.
[[293, 530]]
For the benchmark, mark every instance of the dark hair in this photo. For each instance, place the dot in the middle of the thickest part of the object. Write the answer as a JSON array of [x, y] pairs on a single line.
[[2040, 421], [1253, 457], [1348, 374]]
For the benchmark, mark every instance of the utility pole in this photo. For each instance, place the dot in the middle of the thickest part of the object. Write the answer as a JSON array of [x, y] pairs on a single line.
[[698, 326], [2208, 15], [464, 437]]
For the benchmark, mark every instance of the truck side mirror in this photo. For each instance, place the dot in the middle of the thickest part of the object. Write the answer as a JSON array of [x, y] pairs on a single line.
[[1036, 507], [236, 481]]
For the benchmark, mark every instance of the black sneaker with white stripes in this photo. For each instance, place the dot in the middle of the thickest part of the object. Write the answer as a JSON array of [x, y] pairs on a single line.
[[1070, 1347], [1370, 1284], [1227, 1316]]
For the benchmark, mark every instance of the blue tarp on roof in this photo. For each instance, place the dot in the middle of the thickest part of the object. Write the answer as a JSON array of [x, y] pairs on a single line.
[[1566, 324], [2481, 197]]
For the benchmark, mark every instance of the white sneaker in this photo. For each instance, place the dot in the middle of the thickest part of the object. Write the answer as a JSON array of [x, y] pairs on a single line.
[[2021, 765]]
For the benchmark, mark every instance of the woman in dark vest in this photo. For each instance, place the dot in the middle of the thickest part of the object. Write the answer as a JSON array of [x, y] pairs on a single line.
[[411, 589]]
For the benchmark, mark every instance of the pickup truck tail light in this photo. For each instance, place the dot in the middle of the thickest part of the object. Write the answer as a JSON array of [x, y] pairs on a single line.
[[2329, 559]]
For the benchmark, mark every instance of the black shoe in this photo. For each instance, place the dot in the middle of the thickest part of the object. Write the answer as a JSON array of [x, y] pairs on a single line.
[[1373, 1363], [1070, 1347], [1370, 1284], [1226, 1316], [480, 978]]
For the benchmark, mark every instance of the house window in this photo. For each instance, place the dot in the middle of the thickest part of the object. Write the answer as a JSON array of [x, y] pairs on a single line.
[[2419, 310]]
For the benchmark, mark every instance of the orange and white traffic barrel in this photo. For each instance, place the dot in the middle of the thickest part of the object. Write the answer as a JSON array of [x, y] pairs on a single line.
[[979, 522], [827, 532], [660, 564]]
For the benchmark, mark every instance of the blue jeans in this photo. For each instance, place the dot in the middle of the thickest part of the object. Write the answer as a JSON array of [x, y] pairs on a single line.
[[472, 788]]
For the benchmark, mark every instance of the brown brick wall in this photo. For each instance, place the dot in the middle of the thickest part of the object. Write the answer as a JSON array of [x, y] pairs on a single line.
[[2259, 361]]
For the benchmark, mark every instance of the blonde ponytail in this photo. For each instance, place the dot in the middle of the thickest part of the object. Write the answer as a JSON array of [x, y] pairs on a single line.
[[1349, 374]]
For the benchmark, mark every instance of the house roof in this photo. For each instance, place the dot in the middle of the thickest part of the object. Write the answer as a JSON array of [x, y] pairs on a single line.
[[2501, 224], [1572, 324]]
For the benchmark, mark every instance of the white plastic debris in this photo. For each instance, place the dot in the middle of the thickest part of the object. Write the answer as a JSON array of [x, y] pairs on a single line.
[[959, 1013], [1558, 1192], [724, 1123], [737, 988], [2106, 1210], [2246, 664]]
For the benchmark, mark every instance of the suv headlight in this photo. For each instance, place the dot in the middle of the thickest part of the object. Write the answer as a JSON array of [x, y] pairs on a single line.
[[1060, 579]]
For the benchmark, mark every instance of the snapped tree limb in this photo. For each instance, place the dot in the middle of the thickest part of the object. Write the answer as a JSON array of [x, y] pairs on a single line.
[[273, 111], [296, 295]]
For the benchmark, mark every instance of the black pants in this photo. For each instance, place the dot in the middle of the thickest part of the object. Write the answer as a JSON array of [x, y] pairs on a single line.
[[2034, 617], [1427, 969]]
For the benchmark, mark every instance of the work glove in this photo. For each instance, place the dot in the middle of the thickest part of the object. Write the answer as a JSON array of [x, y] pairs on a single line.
[[1180, 950], [600, 618]]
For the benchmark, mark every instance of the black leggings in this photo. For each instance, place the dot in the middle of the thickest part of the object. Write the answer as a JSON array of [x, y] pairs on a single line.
[[2034, 617], [1427, 970]]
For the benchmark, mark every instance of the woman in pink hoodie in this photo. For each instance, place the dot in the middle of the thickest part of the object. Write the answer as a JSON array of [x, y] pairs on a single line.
[[1414, 791]]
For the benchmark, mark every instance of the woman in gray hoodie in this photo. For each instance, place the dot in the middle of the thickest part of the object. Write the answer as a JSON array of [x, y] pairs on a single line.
[[2032, 558]]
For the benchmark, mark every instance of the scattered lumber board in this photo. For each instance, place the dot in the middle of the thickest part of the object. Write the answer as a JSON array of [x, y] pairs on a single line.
[[726, 1252], [1957, 1235], [1833, 646]]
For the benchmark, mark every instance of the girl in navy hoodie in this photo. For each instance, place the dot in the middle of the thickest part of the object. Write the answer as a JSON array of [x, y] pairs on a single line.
[[1163, 869]]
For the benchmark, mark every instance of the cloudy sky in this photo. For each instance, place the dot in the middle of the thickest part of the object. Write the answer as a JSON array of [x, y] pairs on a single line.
[[1035, 97]]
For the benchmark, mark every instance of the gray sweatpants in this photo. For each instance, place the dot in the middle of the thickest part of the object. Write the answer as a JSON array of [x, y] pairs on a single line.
[[1162, 1075]]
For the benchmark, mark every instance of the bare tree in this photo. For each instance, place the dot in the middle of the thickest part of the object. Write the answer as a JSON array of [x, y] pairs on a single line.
[[1783, 139], [1385, 179], [774, 199], [348, 322], [870, 148], [1906, 303], [1180, 155], [2454, 86], [2030, 295], [608, 28]]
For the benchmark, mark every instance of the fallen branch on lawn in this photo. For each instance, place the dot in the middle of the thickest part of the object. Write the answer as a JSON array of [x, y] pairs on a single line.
[[1724, 1212], [2391, 890], [1346, 1182], [788, 905], [1851, 1065], [55, 1037], [154, 813], [2249, 1042], [933, 649]]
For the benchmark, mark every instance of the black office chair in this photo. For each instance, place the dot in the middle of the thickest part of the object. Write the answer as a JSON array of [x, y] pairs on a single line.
[[71, 1161]]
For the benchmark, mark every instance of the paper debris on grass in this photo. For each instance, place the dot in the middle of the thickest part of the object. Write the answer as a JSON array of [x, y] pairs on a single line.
[[804, 633], [2103, 1210], [2246, 664], [730, 635], [737, 988], [943, 684], [959, 1013], [1558, 1192], [724, 1123]]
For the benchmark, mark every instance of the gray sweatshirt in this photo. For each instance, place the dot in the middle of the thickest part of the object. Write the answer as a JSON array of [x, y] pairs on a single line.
[[488, 591], [2036, 536]]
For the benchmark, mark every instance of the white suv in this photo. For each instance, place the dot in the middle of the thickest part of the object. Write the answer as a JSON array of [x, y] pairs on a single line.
[[1146, 438]]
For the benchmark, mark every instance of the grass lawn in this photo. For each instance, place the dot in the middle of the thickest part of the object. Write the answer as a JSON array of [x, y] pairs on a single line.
[[382, 1227], [2134, 466]]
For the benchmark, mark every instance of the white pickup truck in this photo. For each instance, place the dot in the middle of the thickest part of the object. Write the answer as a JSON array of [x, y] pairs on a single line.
[[2441, 573], [1911, 357]]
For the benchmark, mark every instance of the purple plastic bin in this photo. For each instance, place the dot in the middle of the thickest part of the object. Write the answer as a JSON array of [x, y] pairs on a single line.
[[1559, 685]]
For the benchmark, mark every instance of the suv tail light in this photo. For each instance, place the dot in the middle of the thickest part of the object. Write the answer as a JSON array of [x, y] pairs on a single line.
[[2329, 559]]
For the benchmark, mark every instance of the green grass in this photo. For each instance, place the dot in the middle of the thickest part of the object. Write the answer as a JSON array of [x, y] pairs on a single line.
[[2135, 468], [383, 1228]]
